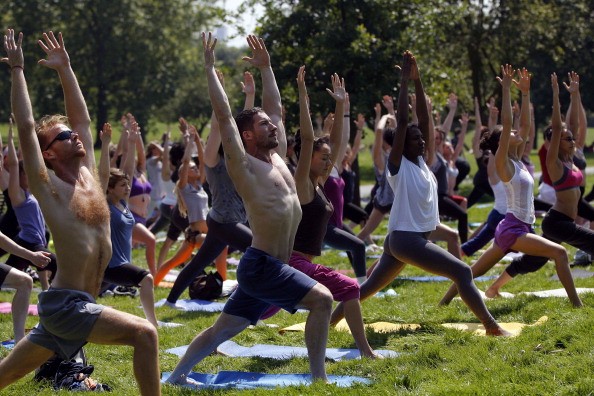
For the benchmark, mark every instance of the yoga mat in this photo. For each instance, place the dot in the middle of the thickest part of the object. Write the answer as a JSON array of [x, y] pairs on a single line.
[[245, 380], [577, 273], [281, 352], [386, 327], [195, 305], [6, 308], [9, 344], [168, 324], [542, 293], [441, 278]]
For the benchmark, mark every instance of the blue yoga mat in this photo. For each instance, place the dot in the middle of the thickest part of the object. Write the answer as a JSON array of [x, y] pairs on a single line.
[[281, 352], [441, 278], [7, 344], [245, 380], [196, 305]]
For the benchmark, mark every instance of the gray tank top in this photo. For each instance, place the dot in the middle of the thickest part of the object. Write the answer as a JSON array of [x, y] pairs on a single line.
[[227, 206]]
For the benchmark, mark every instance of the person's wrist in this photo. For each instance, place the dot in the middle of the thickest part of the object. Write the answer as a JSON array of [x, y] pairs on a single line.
[[17, 67], [347, 116]]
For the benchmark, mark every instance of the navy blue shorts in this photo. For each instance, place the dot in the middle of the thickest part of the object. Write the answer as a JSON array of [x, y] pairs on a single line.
[[263, 281]]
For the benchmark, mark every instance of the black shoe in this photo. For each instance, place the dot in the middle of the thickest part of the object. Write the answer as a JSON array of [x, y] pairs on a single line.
[[125, 291]]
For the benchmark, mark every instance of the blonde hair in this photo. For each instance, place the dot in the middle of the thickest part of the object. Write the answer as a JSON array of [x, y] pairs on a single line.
[[47, 122]]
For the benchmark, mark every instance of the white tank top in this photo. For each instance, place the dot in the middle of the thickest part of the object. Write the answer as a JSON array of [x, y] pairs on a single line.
[[415, 198], [500, 197], [520, 197]]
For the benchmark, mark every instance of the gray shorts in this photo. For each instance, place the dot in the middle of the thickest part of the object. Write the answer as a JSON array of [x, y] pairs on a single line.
[[66, 318]]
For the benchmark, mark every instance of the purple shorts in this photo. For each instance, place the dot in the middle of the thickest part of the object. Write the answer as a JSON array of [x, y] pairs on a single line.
[[341, 286], [509, 230]]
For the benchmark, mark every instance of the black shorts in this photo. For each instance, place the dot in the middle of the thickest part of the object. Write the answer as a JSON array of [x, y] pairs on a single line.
[[4, 270], [125, 275]]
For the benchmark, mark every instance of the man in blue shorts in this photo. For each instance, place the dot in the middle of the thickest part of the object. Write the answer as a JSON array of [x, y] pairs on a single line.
[[255, 147]]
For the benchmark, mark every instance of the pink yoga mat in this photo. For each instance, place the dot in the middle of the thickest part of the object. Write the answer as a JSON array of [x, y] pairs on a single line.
[[6, 308]]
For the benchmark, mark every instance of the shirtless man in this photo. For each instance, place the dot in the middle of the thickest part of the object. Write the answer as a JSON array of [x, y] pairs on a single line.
[[268, 190], [76, 212]]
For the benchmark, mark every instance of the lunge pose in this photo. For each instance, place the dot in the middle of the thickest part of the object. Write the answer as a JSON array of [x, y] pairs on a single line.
[[414, 212], [514, 232], [255, 148], [60, 164]]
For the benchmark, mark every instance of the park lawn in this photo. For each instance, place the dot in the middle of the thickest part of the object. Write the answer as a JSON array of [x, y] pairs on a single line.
[[552, 358]]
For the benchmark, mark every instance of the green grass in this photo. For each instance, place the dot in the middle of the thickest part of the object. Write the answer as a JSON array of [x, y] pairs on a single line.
[[554, 358]]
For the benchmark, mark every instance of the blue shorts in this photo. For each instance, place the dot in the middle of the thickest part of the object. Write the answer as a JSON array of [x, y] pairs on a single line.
[[263, 281], [66, 318]]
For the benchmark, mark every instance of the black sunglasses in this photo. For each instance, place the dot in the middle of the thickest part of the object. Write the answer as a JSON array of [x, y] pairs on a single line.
[[64, 135]]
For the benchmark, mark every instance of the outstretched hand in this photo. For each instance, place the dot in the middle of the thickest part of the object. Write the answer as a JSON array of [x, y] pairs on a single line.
[[338, 91], [523, 83], [574, 82], [57, 57], [14, 50], [554, 84], [507, 74], [248, 86], [260, 57], [105, 134], [405, 72], [388, 103], [209, 44]]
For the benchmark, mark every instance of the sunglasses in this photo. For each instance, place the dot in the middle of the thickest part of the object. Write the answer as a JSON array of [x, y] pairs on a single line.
[[64, 135]]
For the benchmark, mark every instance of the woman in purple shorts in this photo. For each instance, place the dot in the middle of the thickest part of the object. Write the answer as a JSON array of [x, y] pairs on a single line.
[[515, 233], [313, 168]]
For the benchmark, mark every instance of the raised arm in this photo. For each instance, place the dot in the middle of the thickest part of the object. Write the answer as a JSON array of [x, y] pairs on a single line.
[[129, 159], [461, 136], [402, 120], [360, 123], [478, 126], [23, 113], [166, 169], [423, 109], [523, 85], [15, 192], [248, 87], [346, 133], [185, 165], [196, 138], [505, 169], [213, 142], [271, 99], [554, 165], [104, 163], [452, 104], [339, 94], [493, 114], [76, 109], [305, 189], [235, 155]]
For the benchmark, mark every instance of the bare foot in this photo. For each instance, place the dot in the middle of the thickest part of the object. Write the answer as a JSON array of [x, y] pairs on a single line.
[[371, 355], [498, 332], [492, 293], [184, 380]]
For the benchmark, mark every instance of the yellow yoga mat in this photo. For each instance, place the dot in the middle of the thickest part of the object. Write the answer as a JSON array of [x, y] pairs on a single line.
[[385, 327]]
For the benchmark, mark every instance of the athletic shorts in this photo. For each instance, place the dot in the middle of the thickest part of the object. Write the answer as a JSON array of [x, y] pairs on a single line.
[[263, 281], [66, 318], [138, 219], [125, 275], [509, 230]]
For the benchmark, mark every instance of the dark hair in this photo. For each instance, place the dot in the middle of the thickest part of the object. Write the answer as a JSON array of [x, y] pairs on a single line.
[[115, 176], [318, 143], [388, 135], [490, 139], [176, 153], [245, 120]]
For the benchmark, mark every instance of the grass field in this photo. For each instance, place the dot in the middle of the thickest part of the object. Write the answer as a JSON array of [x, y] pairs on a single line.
[[553, 358]]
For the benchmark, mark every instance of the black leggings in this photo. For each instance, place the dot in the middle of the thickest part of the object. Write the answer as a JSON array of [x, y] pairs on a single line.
[[404, 247], [480, 189], [354, 213], [340, 239], [558, 228], [219, 235], [448, 207]]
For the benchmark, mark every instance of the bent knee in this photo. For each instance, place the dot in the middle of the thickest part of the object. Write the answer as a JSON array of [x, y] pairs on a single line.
[[319, 298], [146, 335], [147, 281], [560, 254]]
